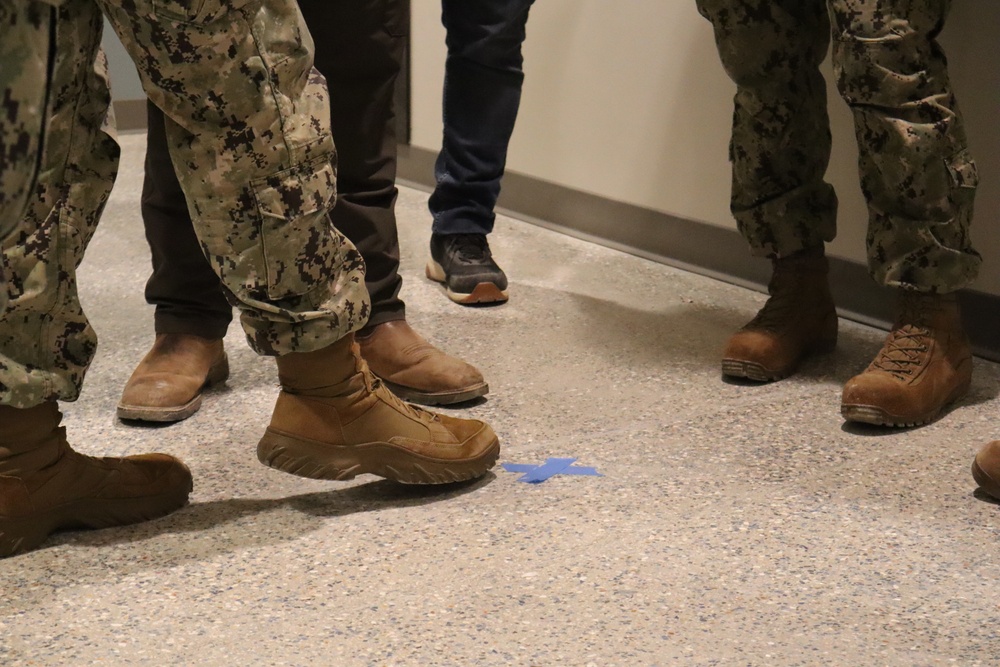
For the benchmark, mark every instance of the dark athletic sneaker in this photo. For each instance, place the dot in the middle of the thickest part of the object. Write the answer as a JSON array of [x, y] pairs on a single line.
[[464, 263]]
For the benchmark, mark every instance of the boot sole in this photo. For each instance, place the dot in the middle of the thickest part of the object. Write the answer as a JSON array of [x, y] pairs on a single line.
[[216, 375], [985, 482], [752, 370], [437, 398], [318, 460], [482, 293], [872, 414], [25, 534]]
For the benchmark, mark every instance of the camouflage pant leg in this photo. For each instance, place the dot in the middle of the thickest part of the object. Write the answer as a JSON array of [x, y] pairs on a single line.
[[46, 343], [24, 61], [248, 125], [780, 145], [916, 172]]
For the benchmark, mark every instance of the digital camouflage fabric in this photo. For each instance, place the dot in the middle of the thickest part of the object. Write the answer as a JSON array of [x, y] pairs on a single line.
[[248, 126], [917, 176]]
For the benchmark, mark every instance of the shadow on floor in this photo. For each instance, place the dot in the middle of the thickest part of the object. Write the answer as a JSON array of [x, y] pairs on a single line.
[[253, 523]]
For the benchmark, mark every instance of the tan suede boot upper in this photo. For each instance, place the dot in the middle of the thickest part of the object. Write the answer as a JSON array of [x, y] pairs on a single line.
[[417, 371], [798, 319], [167, 384], [45, 485], [924, 365], [986, 469], [335, 420]]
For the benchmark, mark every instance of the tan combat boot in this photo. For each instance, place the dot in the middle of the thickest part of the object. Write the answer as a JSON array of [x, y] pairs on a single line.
[[924, 365], [986, 469], [335, 420], [415, 370], [167, 384], [45, 485], [797, 320]]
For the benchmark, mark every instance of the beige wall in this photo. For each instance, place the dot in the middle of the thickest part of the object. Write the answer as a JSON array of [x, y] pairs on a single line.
[[627, 100], [125, 83]]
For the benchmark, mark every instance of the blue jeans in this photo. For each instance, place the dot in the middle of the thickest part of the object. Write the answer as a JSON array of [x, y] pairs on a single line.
[[482, 92]]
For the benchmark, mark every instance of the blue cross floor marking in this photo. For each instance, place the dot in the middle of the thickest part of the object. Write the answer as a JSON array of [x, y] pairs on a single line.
[[537, 474]]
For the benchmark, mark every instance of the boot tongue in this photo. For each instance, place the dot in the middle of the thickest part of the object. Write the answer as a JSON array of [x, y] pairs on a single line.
[[352, 385], [923, 309], [309, 372], [784, 298], [320, 386]]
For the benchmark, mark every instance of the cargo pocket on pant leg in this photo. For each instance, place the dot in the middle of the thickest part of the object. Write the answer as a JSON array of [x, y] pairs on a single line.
[[296, 236]]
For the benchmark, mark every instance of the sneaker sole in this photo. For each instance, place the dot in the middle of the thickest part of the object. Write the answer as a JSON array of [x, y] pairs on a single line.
[[482, 293], [439, 398], [985, 482], [872, 414], [318, 460], [216, 375], [25, 534]]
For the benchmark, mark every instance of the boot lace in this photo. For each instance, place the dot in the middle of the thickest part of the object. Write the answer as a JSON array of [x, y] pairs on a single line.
[[413, 410], [903, 351]]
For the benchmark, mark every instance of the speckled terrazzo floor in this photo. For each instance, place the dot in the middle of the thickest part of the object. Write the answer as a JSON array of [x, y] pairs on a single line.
[[734, 524]]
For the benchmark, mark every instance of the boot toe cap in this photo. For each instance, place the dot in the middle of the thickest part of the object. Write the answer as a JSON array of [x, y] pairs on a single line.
[[879, 391], [762, 349], [161, 390], [986, 468], [155, 473]]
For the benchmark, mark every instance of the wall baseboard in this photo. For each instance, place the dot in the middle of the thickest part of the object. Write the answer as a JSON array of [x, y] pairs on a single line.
[[698, 247]]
